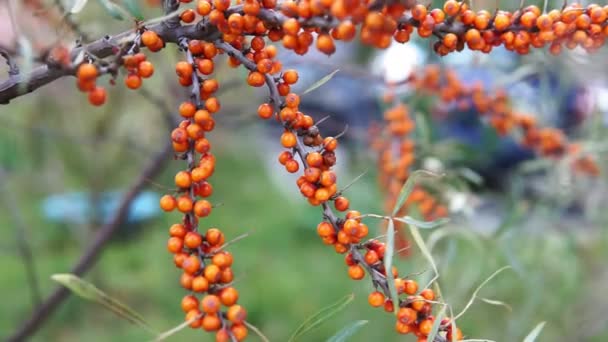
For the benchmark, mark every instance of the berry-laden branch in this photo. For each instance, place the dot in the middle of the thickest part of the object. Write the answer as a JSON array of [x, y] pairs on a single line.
[[316, 154], [455, 26], [205, 263]]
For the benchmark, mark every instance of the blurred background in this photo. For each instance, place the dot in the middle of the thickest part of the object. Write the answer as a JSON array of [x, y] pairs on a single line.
[[65, 164]]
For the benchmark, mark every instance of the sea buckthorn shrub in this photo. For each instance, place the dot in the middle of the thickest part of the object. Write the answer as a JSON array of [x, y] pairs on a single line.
[[247, 35]]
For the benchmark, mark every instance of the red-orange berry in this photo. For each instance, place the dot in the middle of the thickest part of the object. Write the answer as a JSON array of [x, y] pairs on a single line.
[[376, 299], [168, 203], [236, 314]]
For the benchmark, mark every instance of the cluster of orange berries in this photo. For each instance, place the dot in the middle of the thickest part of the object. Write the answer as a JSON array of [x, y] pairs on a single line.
[[495, 107], [206, 266], [396, 156], [314, 156], [86, 79]]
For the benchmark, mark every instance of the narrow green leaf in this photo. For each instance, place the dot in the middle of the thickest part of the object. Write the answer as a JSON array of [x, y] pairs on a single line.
[[497, 303], [388, 263], [423, 224], [406, 189], [113, 9], [88, 291], [172, 331], [323, 314], [425, 251], [483, 283], [347, 331], [77, 6], [134, 9], [535, 332], [320, 82], [435, 329]]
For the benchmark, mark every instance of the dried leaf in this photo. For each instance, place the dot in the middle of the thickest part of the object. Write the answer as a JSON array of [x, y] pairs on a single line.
[[388, 264], [535, 332]]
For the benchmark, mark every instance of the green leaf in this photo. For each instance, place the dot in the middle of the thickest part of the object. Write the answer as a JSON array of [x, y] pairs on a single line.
[[347, 331], [320, 82], [172, 331], [133, 8], [113, 9], [388, 264], [77, 6], [497, 303], [474, 296], [535, 332], [437, 323], [88, 291], [323, 314], [425, 251], [409, 185], [423, 224]]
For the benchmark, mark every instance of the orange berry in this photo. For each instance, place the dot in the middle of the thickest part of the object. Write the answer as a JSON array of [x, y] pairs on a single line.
[[86, 72], [256, 79], [145, 69], [292, 166], [376, 299], [183, 69], [192, 315], [214, 236], [411, 286], [407, 315], [451, 335], [178, 230], [265, 111], [428, 294], [212, 104], [223, 335], [229, 296], [187, 16], [183, 179], [325, 44], [211, 304], [193, 240], [202, 208], [290, 76], [236, 314], [133, 81], [425, 326], [192, 264], [168, 203], [200, 284], [97, 96], [203, 7], [189, 302], [239, 331], [356, 272], [288, 139], [149, 39], [212, 273], [175, 244], [211, 322]]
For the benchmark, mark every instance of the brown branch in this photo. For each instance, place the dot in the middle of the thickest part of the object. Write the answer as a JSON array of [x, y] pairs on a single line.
[[92, 254]]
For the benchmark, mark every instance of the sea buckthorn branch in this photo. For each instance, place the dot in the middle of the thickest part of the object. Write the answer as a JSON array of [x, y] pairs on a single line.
[[455, 24], [414, 312], [93, 252], [205, 263]]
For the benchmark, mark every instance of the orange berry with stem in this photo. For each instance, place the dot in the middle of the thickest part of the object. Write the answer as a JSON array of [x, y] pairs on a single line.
[[376, 299], [168, 203]]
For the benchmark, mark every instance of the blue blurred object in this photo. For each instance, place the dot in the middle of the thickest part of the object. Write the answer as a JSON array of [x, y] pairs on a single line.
[[78, 207]]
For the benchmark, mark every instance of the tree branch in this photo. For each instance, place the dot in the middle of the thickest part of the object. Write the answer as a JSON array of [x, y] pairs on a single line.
[[90, 256]]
